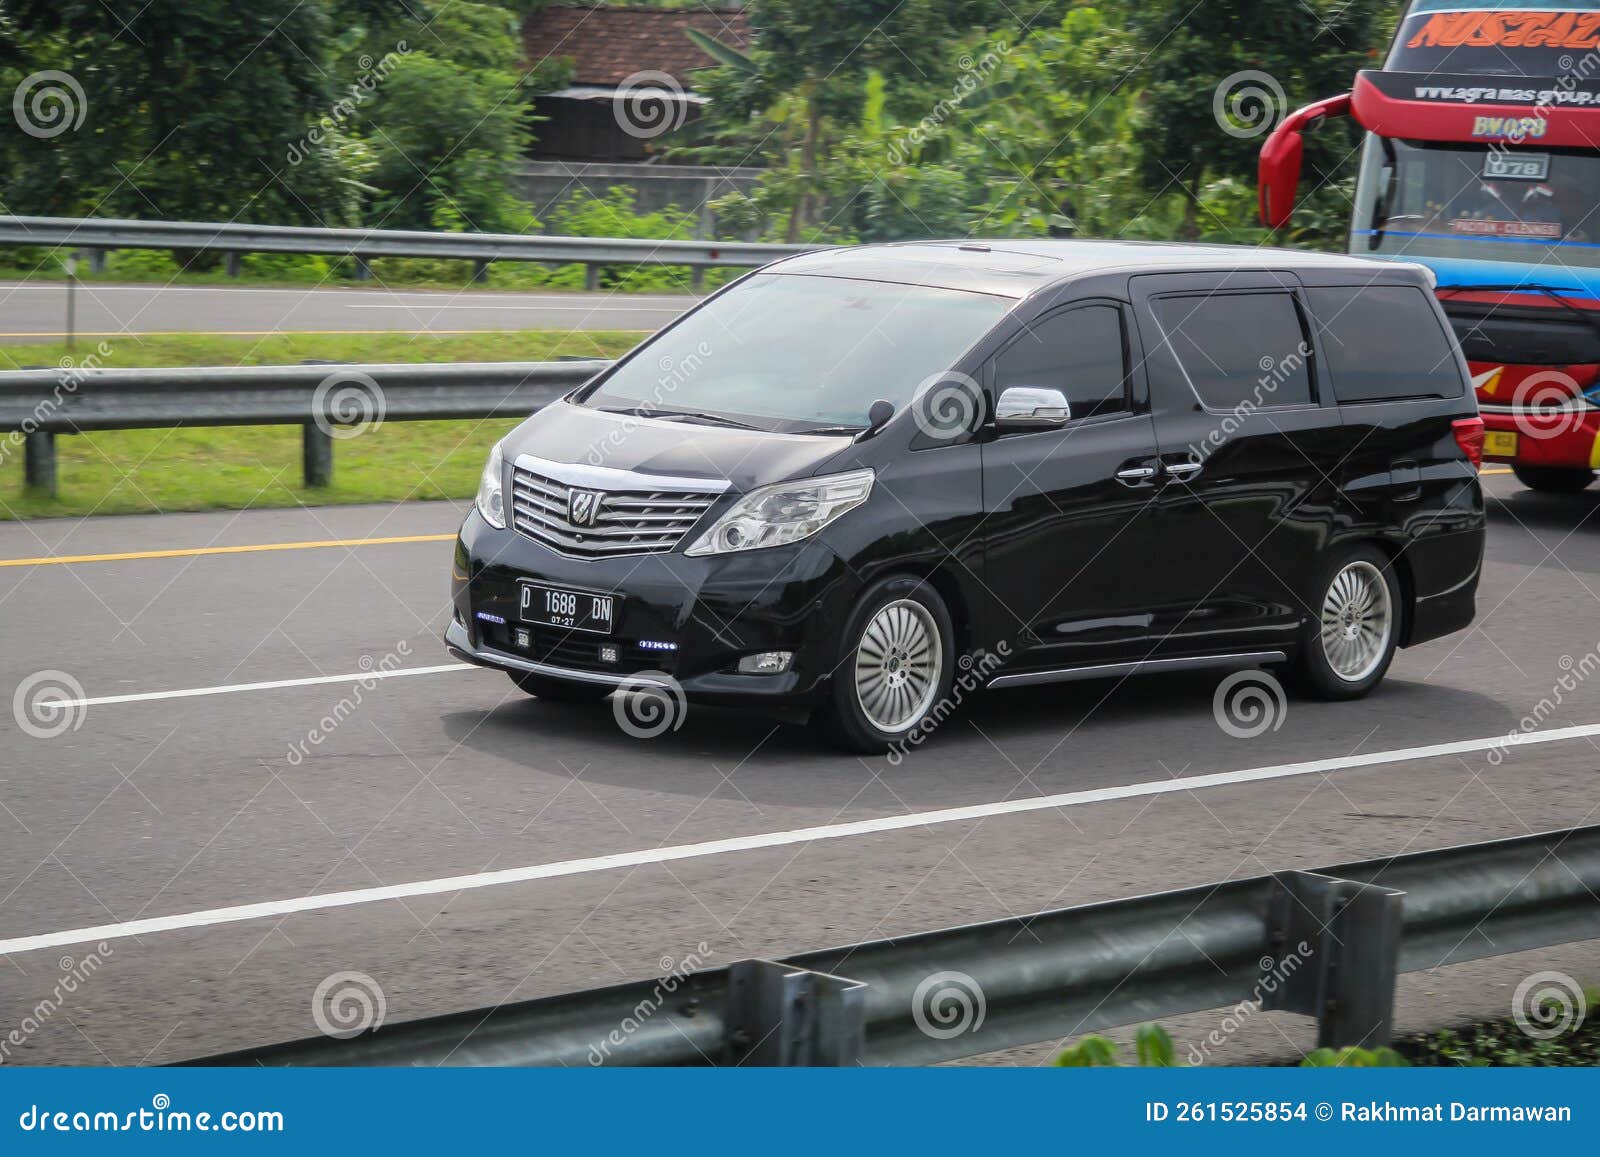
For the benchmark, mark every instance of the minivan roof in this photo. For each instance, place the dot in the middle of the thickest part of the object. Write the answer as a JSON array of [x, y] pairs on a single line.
[[1018, 267]]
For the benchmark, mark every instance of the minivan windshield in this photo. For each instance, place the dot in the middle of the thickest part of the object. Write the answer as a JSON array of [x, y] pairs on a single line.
[[796, 353]]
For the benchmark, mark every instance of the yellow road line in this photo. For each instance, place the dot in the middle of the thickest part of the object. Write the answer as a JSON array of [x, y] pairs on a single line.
[[1496, 470], [192, 552]]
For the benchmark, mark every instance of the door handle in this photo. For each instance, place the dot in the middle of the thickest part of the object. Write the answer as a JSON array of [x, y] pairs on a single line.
[[1184, 470], [1136, 474]]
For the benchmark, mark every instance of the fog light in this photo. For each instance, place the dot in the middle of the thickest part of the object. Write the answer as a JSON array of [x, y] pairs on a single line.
[[524, 638], [766, 663]]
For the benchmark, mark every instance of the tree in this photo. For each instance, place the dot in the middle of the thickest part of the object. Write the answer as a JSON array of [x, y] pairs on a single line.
[[187, 109], [1210, 73]]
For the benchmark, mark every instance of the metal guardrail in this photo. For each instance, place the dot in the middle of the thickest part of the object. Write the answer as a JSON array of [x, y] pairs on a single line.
[[1351, 928], [39, 404], [98, 235]]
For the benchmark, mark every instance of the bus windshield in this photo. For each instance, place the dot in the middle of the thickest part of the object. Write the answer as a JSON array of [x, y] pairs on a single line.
[[1420, 199]]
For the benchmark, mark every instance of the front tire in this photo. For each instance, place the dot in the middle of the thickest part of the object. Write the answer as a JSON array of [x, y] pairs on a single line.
[[1553, 479], [895, 665], [1348, 643], [559, 690]]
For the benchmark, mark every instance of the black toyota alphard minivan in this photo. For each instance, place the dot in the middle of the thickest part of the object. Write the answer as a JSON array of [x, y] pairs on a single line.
[[853, 477]]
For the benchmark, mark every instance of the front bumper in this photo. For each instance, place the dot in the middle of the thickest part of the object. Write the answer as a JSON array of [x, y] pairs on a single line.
[[677, 620]]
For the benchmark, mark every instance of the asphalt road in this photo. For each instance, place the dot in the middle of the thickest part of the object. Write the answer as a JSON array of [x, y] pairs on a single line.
[[36, 311], [154, 806]]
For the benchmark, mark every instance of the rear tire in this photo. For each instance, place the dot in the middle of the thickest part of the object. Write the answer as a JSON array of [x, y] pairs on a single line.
[[1553, 479], [1350, 639], [559, 690], [895, 665]]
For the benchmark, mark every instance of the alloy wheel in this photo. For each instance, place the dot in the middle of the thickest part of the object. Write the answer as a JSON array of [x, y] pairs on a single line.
[[899, 661]]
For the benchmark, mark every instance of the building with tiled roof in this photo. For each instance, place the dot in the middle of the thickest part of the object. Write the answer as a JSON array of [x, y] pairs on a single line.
[[632, 74]]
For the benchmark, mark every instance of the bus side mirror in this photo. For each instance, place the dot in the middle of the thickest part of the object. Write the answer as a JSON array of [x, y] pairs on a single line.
[[1280, 175], [1279, 167]]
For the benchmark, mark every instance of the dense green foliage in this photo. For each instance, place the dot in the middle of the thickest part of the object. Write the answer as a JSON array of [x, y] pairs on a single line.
[[323, 112], [1099, 118], [874, 119]]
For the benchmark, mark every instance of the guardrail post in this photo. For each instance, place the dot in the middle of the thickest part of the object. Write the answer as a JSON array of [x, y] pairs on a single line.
[[591, 277], [363, 269], [39, 462], [233, 264], [480, 271], [97, 260], [317, 456], [1335, 955], [780, 1015], [697, 278]]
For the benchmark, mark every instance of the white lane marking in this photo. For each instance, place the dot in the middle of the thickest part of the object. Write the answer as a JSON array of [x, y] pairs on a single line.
[[54, 289], [326, 900], [554, 307], [231, 688]]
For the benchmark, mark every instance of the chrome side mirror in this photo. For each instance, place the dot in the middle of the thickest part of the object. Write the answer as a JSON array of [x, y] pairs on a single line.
[[1031, 408]]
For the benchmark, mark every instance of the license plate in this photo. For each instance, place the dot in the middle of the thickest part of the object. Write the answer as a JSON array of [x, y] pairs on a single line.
[[572, 610], [1500, 444]]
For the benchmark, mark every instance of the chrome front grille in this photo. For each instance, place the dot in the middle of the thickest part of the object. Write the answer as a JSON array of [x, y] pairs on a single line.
[[637, 520]]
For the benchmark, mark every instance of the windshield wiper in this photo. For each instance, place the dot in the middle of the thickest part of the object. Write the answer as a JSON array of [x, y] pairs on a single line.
[[843, 431], [678, 416], [1556, 294]]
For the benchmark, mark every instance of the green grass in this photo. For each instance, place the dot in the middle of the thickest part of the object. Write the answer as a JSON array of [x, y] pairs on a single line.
[[131, 351], [238, 467]]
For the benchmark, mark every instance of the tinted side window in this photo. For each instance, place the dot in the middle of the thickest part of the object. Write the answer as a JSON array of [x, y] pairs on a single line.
[[1079, 352], [1384, 341], [1239, 348]]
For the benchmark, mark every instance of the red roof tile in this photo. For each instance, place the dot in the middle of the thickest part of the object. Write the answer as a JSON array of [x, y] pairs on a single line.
[[608, 44]]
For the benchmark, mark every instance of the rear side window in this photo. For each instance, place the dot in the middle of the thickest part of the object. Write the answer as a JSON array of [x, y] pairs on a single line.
[[1239, 349], [1383, 342], [1079, 352]]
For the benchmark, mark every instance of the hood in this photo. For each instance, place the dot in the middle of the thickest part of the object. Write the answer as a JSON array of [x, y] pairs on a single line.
[[563, 432]]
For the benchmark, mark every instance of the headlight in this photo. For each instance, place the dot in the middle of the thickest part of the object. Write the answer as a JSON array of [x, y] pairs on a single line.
[[491, 490], [783, 513]]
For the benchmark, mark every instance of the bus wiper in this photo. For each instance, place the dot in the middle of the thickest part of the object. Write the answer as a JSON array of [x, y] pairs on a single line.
[[1555, 293]]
